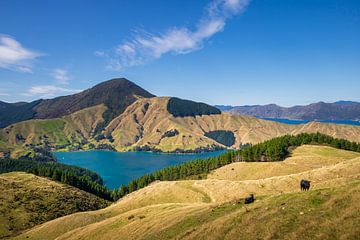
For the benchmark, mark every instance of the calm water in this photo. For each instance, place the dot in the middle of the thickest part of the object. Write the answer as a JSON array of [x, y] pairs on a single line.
[[118, 168], [290, 121]]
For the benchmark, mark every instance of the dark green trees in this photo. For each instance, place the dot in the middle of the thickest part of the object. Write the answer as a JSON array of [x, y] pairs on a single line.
[[184, 108], [75, 176]]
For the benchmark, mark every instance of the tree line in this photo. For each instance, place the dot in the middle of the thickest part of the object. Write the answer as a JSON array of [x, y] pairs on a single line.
[[78, 177]]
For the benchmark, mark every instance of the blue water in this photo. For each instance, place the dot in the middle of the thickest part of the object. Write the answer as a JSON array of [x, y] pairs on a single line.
[[290, 121], [118, 168]]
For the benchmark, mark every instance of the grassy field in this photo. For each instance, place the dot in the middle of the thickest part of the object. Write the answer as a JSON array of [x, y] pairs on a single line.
[[27, 200], [213, 208]]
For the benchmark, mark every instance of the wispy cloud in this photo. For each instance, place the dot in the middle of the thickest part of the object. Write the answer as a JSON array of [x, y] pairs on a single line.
[[145, 47], [99, 53], [14, 56], [46, 91], [61, 76], [4, 94]]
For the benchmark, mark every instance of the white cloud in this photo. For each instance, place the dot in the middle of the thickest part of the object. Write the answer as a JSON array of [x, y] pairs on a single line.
[[46, 91], [99, 53], [61, 76], [145, 47], [4, 94], [14, 56]]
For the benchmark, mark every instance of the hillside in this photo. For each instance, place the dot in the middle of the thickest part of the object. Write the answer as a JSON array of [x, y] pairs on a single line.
[[27, 200], [213, 209], [341, 110], [65, 133], [147, 124], [115, 94]]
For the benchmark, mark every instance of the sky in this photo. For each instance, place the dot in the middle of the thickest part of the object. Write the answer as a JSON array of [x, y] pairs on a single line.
[[232, 52]]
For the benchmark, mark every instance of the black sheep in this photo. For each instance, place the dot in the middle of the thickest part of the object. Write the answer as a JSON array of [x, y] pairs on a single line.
[[304, 185], [249, 199]]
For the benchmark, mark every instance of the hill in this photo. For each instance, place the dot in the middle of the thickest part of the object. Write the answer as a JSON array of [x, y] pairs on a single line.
[[147, 124], [28, 200], [213, 209], [115, 94], [341, 110], [68, 132]]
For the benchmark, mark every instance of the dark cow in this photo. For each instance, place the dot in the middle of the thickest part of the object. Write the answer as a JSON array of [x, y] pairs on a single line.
[[249, 199], [304, 185]]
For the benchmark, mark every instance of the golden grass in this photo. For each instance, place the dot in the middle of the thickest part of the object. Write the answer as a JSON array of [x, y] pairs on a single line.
[[139, 126], [209, 209], [146, 120], [27, 200], [302, 159]]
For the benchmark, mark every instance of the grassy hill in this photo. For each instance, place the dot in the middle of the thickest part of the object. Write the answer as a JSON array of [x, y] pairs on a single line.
[[145, 123], [65, 132], [304, 158], [27, 200], [213, 209], [148, 125]]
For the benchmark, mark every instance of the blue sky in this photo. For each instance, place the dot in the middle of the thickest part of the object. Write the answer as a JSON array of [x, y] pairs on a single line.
[[216, 51]]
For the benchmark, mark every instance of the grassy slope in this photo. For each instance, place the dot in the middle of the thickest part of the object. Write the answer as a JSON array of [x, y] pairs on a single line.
[[59, 131], [204, 209], [302, 159], [147, 120], [140, 125], [27, 200]]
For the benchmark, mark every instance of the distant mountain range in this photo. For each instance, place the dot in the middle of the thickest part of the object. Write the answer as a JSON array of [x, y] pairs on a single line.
[[119, 115], [341, 110]]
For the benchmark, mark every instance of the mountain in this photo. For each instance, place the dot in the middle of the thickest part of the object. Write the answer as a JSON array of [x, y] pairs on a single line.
[[159, 124], [28, 200], [341, 110], [119, 115], [115, 94], [213, 208], [148, 124]]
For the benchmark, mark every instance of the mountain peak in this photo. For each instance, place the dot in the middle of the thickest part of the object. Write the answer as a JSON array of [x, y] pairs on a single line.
[[116, 94]]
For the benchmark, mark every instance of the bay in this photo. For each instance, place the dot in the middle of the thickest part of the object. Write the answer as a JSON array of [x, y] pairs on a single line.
[[118, 168]]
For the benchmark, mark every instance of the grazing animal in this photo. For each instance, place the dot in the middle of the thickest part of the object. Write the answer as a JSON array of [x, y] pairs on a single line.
[[304, 185], [249, 199]]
